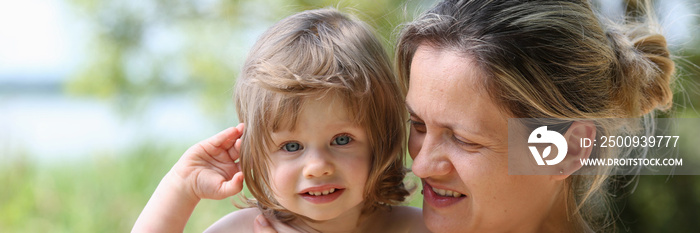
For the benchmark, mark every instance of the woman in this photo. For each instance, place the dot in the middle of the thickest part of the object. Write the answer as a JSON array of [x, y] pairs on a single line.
[[471, 65]]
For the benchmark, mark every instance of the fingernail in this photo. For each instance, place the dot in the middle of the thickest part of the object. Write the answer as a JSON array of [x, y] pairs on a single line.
[[262, 221]]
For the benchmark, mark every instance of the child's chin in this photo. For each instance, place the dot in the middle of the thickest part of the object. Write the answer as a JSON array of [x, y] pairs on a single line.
[[321, 216]]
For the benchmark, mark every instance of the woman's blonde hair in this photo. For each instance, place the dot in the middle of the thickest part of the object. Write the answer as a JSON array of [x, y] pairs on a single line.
[[307, 56], [555, 59]]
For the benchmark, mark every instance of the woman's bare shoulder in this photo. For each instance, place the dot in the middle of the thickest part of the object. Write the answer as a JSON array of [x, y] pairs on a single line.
[[237, 221]]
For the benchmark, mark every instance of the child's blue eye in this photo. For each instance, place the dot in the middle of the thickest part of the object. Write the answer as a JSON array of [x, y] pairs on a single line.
[[342, 140], [291, 147]]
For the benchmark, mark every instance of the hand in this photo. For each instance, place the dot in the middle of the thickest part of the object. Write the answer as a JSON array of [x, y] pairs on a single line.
[[208, 169]]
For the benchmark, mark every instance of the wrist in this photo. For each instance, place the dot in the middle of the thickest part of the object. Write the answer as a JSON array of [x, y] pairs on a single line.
[[169, 208], [180, 186]]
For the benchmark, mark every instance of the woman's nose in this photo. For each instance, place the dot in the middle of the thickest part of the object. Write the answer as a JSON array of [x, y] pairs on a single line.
[[429, 157], [318, 163]]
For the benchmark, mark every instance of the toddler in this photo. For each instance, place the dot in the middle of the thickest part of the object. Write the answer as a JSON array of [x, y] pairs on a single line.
[[322, 146]]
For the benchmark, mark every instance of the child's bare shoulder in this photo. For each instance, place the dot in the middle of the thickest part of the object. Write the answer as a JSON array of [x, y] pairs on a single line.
[[399, 219], [237, 221]]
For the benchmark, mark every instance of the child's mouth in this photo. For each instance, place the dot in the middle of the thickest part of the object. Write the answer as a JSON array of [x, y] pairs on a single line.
[[320, 197], [319, 193]]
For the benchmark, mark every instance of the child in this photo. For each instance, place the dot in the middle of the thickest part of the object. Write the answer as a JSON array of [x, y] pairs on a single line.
[[322, 147]]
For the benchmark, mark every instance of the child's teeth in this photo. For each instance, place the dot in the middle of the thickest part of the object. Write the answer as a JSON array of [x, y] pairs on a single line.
[[326, 192]]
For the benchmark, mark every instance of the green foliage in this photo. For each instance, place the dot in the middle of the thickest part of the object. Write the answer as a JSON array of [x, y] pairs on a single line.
[[104, 194], [142, 49], [139, 50], [659, 204]]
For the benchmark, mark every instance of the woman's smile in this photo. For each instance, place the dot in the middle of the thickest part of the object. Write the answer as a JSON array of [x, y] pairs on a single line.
[[439, 198]]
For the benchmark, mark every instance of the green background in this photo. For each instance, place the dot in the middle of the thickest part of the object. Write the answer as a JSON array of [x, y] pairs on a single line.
[[105, 192]]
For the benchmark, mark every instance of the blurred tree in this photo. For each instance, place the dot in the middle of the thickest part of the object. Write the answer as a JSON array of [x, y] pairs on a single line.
[[140, 50]]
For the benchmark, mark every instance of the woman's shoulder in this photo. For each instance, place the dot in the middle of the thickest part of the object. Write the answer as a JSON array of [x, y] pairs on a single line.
[[399, 219], [237, 221]]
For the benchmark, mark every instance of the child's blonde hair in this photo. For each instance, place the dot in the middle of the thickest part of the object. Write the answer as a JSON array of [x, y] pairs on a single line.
[[305, 57]]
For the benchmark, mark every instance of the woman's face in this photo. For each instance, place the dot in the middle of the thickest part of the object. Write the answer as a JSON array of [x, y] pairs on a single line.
[[459, 146]]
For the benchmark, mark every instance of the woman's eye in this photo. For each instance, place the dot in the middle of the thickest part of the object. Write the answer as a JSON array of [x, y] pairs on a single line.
[[291, 146], [341, 140], [466, 143], [417, 125]]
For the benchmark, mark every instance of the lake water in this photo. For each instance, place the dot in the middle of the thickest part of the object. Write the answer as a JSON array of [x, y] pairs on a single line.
[[54, 127]]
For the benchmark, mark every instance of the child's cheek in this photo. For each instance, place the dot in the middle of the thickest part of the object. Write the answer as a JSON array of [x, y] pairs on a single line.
[[284, 180]]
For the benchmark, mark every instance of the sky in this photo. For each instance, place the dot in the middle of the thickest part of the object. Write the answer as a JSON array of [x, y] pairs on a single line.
[[40, 40], [44, 40]]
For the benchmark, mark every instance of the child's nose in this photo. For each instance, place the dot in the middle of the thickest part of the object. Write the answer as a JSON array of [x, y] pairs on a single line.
[[318, 163]]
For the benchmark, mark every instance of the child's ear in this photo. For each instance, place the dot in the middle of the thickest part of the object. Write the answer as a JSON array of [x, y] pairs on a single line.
[[573, 136]]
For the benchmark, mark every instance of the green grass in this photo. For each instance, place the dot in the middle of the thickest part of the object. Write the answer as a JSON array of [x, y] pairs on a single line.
[[104, 193]]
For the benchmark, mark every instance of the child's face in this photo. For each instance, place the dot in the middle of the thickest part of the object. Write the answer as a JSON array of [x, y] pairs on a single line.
[[319, 170]]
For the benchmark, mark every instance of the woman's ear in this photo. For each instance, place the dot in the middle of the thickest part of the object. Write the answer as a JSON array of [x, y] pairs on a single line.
[[574, 135]]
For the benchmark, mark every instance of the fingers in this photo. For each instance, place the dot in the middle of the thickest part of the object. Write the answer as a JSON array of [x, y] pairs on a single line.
[[240, 127], [222, 140], [230, 137], [262, 225], [237, 145], [227, 137], [233, 186], [235, 150]]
